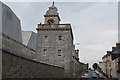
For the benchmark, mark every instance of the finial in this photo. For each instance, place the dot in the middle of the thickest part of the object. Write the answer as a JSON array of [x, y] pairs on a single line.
[[53, 3], [40, 23]]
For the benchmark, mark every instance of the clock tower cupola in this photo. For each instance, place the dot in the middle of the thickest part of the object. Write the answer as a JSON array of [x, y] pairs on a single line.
[[52, 16]]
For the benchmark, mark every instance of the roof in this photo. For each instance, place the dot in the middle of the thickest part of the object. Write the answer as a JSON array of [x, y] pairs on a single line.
[[52, 10]]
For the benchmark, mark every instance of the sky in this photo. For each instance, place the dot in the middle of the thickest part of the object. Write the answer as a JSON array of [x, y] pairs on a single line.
[[94, 24]]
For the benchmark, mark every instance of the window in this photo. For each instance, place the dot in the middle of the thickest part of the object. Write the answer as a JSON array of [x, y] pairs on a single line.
[[46, 37], [59, 55], [59, 52], [44, 51], [59, 37]]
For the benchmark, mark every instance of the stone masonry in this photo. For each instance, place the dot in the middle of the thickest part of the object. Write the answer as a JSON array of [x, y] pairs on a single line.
[[55, 42], [19, 67]]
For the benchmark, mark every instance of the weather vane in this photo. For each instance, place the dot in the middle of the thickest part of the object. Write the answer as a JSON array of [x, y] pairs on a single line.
[[53, 3]]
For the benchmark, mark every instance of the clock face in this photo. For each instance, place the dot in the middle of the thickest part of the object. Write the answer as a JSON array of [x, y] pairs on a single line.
[[50, 21]]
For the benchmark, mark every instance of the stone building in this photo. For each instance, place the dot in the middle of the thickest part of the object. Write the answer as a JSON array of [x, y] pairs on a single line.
[[55, 43], [110, 62]]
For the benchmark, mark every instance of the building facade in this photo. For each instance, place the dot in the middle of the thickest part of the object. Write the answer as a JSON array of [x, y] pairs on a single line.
[[55, 43], [110, 62], [118, 69]]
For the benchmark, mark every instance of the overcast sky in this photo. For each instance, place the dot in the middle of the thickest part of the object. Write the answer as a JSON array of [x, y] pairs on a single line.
[[94, 23]]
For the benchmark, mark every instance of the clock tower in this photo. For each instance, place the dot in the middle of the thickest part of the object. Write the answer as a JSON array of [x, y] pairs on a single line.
[[52, 16], [55, 42]]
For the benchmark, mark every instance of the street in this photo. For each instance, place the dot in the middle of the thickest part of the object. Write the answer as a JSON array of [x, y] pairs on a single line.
[[91, 74]]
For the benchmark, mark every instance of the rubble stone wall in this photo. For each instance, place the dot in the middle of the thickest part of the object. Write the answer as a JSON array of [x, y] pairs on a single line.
[[17, 67]]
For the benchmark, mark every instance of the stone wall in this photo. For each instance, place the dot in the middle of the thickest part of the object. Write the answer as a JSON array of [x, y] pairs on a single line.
[[17, 48], [17, 67], [18, 62]]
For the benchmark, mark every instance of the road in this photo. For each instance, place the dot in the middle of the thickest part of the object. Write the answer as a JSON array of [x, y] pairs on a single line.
[[91, 74]]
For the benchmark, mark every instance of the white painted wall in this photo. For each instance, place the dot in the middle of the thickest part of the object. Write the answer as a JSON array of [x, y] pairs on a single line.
[[11, 25]]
